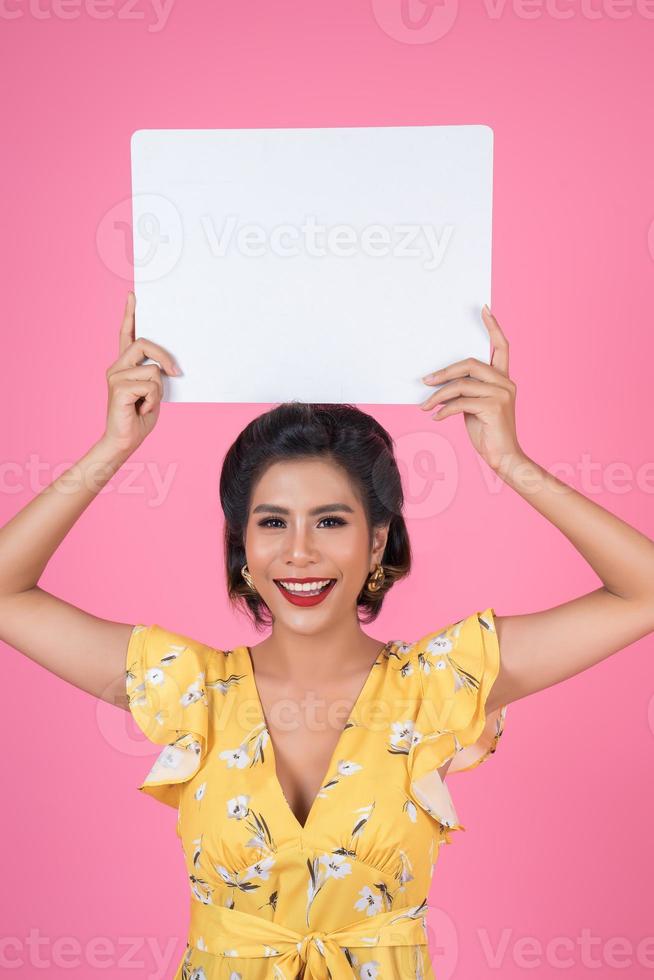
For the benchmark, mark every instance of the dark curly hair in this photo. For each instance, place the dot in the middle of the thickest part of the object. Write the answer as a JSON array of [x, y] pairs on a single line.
[[336, 433]]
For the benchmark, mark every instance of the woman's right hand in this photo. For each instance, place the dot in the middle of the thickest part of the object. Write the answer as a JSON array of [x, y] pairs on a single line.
[[135, 389]]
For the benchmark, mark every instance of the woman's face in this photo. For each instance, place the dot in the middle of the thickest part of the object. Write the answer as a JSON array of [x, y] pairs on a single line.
[[306, 522]]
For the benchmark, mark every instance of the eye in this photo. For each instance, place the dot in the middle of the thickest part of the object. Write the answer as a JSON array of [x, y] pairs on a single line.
[[339, 522]]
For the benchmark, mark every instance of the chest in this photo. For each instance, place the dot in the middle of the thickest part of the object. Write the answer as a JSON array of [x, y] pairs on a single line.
[[306, 728]]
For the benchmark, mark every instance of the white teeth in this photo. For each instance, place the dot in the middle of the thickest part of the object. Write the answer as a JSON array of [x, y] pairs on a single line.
[[310, 587]]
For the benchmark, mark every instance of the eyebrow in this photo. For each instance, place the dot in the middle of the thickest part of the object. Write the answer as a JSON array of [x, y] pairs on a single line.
[[272, 509]]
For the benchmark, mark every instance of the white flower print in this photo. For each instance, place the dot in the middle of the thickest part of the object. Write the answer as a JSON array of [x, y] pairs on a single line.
[[366, 812], [200, 791], [263, 839], [439, 644], [201, 944], [173, 652], [198, 974], [242, 881], [346, 768], [411, 811], [406, 669], [224, 685], [175, 755], [352, 957], [327, 867], [427, 665], [259, 870], [194, 692], [401, 737], [413, 912], [335, 865], [260, 742], [238, 806], [235, 976], [236, 757], [201, 889], [403, 874], [369, 902], [135, 701], [240, 757], [155, 676], [370, 970], [170, 757]]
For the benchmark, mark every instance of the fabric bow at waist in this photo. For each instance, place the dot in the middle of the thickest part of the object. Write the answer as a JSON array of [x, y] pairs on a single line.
[[227, 932]]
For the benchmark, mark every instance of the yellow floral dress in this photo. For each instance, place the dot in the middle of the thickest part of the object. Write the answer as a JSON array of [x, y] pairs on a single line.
[[345, 895]]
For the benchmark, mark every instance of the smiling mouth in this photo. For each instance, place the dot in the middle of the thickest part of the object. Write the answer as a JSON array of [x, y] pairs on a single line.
[[307, 589]]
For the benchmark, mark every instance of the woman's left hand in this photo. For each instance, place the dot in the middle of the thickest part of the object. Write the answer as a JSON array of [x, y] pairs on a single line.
[[486, 398]]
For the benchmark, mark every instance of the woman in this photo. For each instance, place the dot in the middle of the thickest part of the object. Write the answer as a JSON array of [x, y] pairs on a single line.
[[306, 851]]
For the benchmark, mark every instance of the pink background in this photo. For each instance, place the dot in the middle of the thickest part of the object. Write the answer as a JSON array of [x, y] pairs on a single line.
[[560, 820]]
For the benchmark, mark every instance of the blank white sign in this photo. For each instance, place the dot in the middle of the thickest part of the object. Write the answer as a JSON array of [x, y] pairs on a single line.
[[327, 265]]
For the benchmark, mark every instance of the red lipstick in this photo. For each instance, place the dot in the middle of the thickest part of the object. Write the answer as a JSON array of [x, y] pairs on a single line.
[[303, 599]]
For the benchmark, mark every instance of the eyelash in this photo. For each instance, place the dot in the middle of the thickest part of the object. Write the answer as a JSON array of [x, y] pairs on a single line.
[[339, 521]]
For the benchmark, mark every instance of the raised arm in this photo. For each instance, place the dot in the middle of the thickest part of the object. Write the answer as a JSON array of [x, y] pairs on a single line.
[[83, 649], [542, 648]]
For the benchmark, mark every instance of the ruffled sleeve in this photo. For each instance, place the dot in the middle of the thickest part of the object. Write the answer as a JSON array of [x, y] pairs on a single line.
[[456, 667], [165, 683]]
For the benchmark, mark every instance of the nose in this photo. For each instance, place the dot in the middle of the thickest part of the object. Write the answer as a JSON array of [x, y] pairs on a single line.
[[299, 546]]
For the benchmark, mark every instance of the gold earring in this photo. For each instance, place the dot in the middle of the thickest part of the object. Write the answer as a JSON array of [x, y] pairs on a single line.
[[248, 578], [376, 579]]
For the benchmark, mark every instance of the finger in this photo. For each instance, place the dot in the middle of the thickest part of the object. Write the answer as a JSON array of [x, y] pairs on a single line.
[[470, 366], [127, 327], [500, 355], [464, 386], [142, 372], [128, 392], [474, 406], [141, 348]]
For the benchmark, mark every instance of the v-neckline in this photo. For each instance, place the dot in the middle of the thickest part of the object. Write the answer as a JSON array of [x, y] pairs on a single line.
[[279, 789]]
